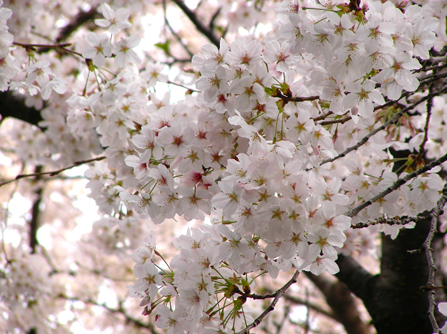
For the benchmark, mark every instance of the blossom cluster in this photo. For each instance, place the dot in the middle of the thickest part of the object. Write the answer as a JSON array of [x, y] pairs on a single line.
[[39, 76], [262, 158], [8, 68], [101, 47], [251, 154]]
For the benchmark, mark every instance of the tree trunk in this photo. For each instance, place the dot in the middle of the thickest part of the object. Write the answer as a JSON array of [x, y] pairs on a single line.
[[395, 298]]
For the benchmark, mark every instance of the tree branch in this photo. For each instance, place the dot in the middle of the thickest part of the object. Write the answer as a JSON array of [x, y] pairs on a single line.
[[174, 33], [397, 184], [295, 300], [272, 305], [35, 213], [54, 172], [199, 25], [342, 303], [80, 19], [391, 221], [353, 275], [119, 310], [13, 106]]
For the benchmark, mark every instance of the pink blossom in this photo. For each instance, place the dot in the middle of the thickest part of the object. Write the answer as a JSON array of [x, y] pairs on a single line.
[[115, 21]]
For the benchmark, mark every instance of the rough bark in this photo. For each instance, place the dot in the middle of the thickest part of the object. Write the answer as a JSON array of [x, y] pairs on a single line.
[[394, 298]]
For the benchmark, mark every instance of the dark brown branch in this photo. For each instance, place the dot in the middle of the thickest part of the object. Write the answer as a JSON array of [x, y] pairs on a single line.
[[198, 24], [62, 47], [394, 299], [213, 18], [285, 98], [35, 213], [80, 19], [173, 32], [427, 122], [51, 46]]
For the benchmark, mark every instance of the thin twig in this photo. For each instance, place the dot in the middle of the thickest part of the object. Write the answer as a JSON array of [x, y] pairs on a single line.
[[51, 46], [388, 221], [433, 77], [427, 122], [101, 274], [272, 305], [397, 184], [173, 32], [48, 46], [431, 263], [55, 172], [119, 310], [213, 18], [312, 306], [35, 212], [257, 296], [322, 117], [296, 98], [302, 99], [336, 121], [183, 86]]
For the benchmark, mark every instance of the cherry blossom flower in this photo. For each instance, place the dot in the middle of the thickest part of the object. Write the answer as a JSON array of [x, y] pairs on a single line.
[[211, 83], [6, 40], [211, 57], [363, 95], [246, 53], [322, 241], [258, 160], [99, 48], [39, 72], [322, 264], [146, 252], [376, 33], [115, 21], [148, 279], [229, 199], [56, 84], [174, 321], [123, 51], [153, 74], [279, 54], [176, 139], [398, 76]]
